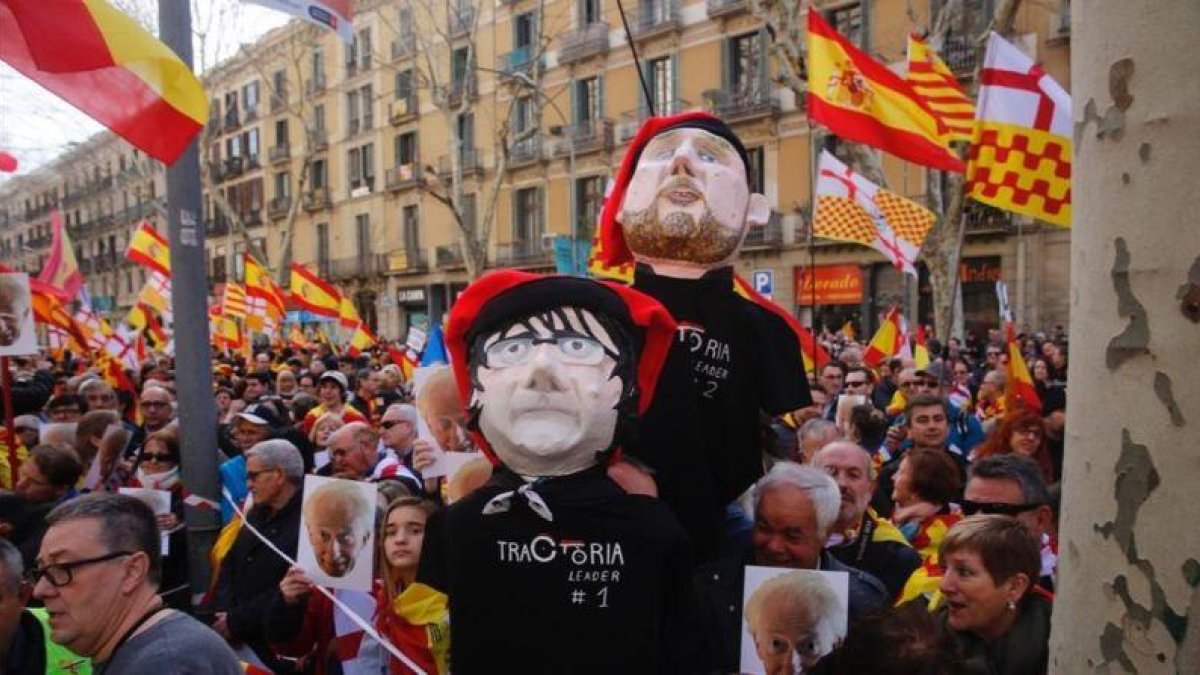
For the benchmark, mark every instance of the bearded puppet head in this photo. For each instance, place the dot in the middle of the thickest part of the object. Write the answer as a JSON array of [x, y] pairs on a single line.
[[681, 202], [551, 368]]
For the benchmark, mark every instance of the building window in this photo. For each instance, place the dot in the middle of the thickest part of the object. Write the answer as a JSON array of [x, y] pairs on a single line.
[[362, 234], [283, 185], [410, 221], [250, 145], [318, 122], [323, 249], [466, 136], [279, 88], [746, 66], [359, 110], [358, 53], [524, 31], [318, 174], [459, 66], [527, 217], [662, 83], [589, 198], [367, 100], [587, 100], [362, 167], [756, 178], [250, 97], [281, 133], [318, 66], [404, 84], [406, 149], [524, 114], [589, 12]]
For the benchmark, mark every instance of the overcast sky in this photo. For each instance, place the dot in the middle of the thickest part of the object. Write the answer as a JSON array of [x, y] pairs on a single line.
[[36, 126]]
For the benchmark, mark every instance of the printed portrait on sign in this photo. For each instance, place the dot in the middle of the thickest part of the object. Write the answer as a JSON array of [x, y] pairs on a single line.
[[17, 335], [337, 532], [791, 618]]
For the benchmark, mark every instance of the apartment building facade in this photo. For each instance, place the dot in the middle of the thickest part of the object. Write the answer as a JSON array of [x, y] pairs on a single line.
[[344, 155]]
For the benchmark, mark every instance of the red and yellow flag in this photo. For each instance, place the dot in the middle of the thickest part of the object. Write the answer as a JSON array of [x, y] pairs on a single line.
[[813, 354], [49, 311], [361, 341], [1019, 390], [920, 350], [102, 62], [234, 300], [313, 294], [260, 285], [148, 247], [933, 81], [886, 341], [861, 100], [348, 314], [61, 271]]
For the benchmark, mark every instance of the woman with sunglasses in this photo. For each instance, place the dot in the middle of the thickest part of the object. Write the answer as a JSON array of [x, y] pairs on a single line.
[[158, 469], [992, 604]]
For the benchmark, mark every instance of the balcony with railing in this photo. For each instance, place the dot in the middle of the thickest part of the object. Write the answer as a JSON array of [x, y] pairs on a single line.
[[584, 42], [404, 46], [750, 102], [402, 176], [586, 136], [250, 114], [234, 166], [461, 21], [278, 207], [719, 8], [524, 253], [631, 120], [318, 140], [314, 86], [984, 219], [466, 86], [406, 261], [521, 60], [232, 120], [279, 153], [448, 256], [526, 151], [279, 100], [770, 235], [403, 110], [468, 160], [657, 17], [217, 226], [362, 266], [316, 199], [252, 218]]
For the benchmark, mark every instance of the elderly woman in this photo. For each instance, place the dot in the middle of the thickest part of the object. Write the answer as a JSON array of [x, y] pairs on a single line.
[[926, 483], [993, 605], [1021, 433], [158, 469]]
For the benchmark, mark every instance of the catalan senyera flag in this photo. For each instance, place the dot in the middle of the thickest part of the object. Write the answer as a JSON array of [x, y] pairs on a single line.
[[933, 81], [1019, 390], [61, 271], [148, 247], [861, 100], [313, 294], [852, 208], [234, 300], [101, 61], [361, 341], [348, 314], [886, 341], [1021, 152]]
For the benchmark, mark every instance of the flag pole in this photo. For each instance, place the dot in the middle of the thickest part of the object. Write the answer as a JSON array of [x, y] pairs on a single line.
[[8, 421]]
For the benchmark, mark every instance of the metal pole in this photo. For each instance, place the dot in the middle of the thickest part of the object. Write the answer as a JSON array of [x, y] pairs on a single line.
[[574, 202], [189, 291], [13, 459]]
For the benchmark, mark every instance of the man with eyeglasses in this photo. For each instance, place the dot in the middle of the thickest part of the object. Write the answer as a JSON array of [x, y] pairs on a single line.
[[398, 432], [1005, 485], [251, 572], [98, 574], [158, 408], [65, 408], [354, 454]]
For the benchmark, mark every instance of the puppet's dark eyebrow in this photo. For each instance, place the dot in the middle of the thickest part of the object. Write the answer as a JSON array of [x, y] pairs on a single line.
[[511, 331], [597, 331]]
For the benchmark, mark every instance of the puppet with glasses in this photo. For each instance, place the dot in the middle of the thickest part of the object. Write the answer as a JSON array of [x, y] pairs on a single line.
[[551, 566]]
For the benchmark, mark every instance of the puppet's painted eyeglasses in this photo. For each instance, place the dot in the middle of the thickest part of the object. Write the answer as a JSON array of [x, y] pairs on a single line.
[[572, 349]]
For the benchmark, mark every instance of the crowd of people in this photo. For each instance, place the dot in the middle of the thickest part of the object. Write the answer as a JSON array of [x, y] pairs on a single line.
[[929, 494]]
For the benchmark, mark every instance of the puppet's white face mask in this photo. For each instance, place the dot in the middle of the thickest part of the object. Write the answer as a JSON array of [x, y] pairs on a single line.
[[688, 204], [548, 399]]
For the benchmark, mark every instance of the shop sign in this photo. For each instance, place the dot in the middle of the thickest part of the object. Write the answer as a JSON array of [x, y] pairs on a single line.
[[411, 296], [834, 285], [981, 270]]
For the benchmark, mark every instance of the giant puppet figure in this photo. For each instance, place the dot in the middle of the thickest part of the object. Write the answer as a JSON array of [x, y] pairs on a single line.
[[551, 567], [680, 207]]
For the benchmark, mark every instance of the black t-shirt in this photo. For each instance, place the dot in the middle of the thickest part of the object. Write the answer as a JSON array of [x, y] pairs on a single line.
[[733, 360], [602, 588]]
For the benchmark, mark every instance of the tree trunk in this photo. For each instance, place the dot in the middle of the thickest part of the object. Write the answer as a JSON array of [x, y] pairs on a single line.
[[1129, 580]]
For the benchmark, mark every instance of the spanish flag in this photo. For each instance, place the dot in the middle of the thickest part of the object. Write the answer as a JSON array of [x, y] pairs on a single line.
[[49, 311], [1019, 390], [313, 294], [259, 284], [934, 82], [361, 341], [921, 350], [812, 353], [102, 62], [61, 271], [886, 341], [348, 315], [861, 100], [148, 247]]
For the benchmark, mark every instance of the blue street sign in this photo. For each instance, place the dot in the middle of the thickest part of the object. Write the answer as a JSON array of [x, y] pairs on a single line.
[[763, 282]]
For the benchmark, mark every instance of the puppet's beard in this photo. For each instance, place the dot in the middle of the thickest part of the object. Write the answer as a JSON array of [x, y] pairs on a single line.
[[679, 236]]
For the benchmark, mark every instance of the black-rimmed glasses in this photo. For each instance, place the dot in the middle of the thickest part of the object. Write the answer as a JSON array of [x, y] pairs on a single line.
[[61, 574], [971, 508]]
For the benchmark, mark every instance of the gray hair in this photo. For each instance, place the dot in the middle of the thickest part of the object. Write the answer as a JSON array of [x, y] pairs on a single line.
[[799, 596], [277, 453], [821, 489], [125, 524], [94, 383], [12, 569], [1022, 470], [817, 428], [407, 413]]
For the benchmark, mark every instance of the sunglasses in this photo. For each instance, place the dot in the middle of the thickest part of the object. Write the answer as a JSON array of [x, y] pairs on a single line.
[[971, 508], [388, 424], [157, 457]]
